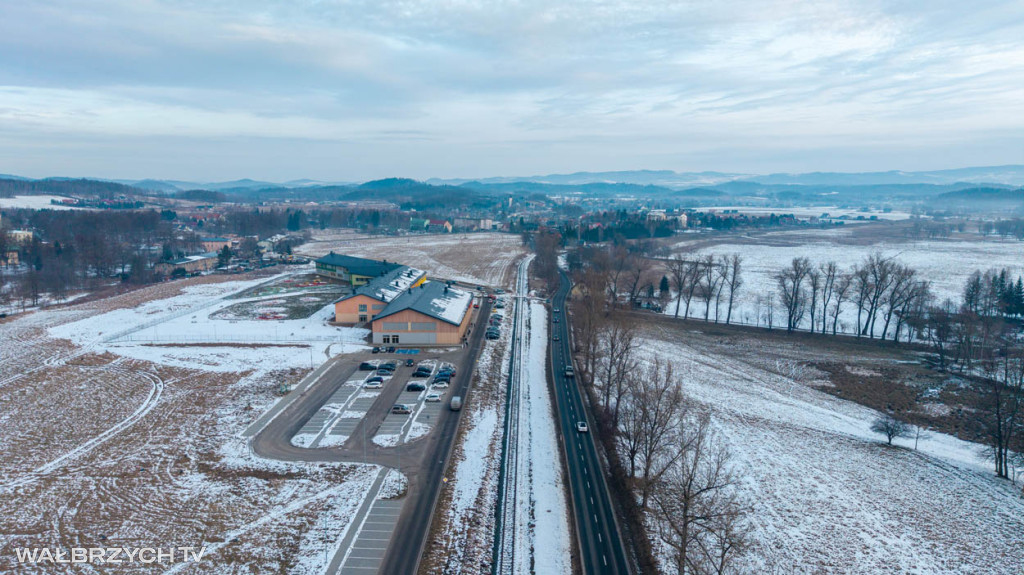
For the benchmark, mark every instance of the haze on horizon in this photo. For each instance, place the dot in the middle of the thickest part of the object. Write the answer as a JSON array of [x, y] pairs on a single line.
[[348, 90]]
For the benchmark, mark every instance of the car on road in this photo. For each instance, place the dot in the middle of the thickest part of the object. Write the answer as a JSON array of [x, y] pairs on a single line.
[[433, 397], [476, 306], [569, 372], [556, 310], [373, 385], [555, 337], [415, 387], [581, 426], [401, 408], [409, 362], [456, 403], [554, 319]]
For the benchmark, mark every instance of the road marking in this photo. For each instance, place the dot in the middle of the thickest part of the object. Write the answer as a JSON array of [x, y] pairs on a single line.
[[591, 499], [605, 558], [595, 518], [588, 484], [599, 538]]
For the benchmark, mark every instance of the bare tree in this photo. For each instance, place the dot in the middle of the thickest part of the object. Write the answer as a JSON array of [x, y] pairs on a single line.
[[661, 402], [698, 513], [617, 360], [708, 283], [891, 427], [792, 293], [735, 266], [842, 288], [814, 282], [677, 273], [829, 273]]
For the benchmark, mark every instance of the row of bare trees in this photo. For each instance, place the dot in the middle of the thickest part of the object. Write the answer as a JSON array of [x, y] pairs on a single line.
[[675, 463], [706, 279]]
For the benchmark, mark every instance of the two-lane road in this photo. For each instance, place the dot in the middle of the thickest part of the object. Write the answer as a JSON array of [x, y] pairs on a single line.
[[601, 548]]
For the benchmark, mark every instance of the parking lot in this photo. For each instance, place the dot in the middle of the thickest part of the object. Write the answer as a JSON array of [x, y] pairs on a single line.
[[340, 416]]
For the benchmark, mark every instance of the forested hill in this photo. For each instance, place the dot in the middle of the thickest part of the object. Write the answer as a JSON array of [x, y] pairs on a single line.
[[66, 187]]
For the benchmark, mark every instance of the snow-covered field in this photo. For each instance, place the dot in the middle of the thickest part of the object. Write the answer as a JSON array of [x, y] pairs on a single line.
[[945, 263], [34, 203], [162, 330], [109, 437], [479, 258], [827, 495]]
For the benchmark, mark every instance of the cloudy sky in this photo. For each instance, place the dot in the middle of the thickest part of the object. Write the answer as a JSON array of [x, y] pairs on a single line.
[[354, 90]]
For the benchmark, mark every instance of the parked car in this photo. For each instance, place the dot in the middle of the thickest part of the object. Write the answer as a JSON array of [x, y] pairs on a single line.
[[456, 403], [581, 426], [419, 373], [367, 366], [401, 408], [409, 362], [375, 350], [492, 335], [391, 349], [375, 378], [441, 380], [385, 372], [499, 305], [415, 387], [433, 397], [440, 385], [392, 365], [373, 385]]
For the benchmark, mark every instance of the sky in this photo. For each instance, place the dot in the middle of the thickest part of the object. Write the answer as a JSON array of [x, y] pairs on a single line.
[[337, 90]]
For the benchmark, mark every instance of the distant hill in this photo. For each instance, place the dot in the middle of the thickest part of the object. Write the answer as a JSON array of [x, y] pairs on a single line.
[[988, 195], [65, 187]]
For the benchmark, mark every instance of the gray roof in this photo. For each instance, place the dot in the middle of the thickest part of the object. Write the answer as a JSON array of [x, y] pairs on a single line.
[[384, 288], [433, 299], [359, 266]]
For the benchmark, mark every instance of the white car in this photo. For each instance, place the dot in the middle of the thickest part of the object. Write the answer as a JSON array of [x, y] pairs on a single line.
[[373, 385], [440, 385], [581, 426], [433, 397]]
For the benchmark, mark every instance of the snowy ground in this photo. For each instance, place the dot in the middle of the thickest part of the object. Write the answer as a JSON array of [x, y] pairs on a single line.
[[35, 203], [827, 496], [463, 540], [550, 540], [167, 331], [108, 440], [479, 258], [945, 263]]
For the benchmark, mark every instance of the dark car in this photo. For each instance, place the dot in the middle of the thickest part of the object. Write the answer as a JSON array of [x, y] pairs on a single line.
[[367, 366], [492, 335], [446, 371], [555, 337], [409, 362], [375, 378], [375, 350], [415, 387], [392, 365], [385, 372], [391, 349], [419, 373]]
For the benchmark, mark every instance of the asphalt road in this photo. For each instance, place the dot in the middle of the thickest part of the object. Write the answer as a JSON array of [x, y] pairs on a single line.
[[600, 545]]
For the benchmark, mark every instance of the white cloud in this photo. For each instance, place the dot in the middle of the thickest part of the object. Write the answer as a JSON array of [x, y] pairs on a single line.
[[507, 87]]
